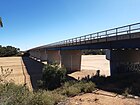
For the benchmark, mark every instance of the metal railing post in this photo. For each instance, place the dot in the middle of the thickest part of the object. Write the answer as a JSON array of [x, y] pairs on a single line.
[[116, 33], [106, 35], [129, 31], [97, 37]]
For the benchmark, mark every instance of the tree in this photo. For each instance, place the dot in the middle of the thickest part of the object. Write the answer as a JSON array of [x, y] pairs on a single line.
[[1, 24], [93, 52], [8, 51]]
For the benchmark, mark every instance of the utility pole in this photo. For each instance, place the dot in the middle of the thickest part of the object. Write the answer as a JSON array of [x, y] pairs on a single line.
[[1, 24]]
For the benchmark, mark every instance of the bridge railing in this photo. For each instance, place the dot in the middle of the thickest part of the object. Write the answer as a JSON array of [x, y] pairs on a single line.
[[98, 35]]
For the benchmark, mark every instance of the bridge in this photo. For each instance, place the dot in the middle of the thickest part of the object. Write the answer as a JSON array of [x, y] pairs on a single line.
[[122, 49]]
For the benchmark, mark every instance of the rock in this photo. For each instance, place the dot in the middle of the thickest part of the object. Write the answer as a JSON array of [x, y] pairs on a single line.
[[136, 97]]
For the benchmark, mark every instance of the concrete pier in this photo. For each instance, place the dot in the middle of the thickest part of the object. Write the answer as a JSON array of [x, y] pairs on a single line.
[[71, 59], [43, 55], [124, 60], [53, 56]]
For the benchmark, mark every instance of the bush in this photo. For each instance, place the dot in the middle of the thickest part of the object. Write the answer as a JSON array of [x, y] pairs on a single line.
[[53, 76], [73, 88], [43, 97], [11, 94]]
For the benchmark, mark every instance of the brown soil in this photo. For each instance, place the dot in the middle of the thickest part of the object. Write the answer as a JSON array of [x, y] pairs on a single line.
[[99, 97], [90, 64], [102, 98]]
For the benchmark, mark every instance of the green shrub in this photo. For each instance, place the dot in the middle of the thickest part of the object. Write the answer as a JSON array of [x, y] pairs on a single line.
[[43, 97], [88, 87], [71, 91], [53, 76], [73, 88], [11, 94]]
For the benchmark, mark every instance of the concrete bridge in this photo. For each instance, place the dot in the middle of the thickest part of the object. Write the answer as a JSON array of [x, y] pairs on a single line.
[[122, 49]]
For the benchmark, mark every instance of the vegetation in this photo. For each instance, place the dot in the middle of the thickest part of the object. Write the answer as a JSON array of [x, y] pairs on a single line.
[[72, 88], [8, 51], [125, 84], [56, 87], [53, 76], [11, 94], [4, 74], [93, 52]]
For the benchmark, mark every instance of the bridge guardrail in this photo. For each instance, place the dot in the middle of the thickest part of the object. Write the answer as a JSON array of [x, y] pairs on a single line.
[[96, 36]]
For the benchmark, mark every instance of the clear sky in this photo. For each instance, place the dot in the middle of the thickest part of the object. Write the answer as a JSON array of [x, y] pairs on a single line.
[[31, 23]]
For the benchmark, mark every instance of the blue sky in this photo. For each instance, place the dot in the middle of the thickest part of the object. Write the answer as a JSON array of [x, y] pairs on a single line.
[[31, 23]]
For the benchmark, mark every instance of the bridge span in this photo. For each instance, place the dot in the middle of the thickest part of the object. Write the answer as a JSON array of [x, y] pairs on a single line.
[[122, 49]]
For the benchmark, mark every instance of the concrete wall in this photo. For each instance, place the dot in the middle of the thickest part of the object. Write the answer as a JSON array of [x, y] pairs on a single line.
[[124, 61]]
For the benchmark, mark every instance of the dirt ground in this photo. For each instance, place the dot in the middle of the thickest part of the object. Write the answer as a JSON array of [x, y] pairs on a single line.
[[99, 97], [102, 98], [90, 64], [94, 63]]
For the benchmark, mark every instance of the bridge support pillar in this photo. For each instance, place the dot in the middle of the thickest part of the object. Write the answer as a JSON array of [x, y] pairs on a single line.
[[53, 56], [71, 60], [124, 61], [43, 55], [35, 54]]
